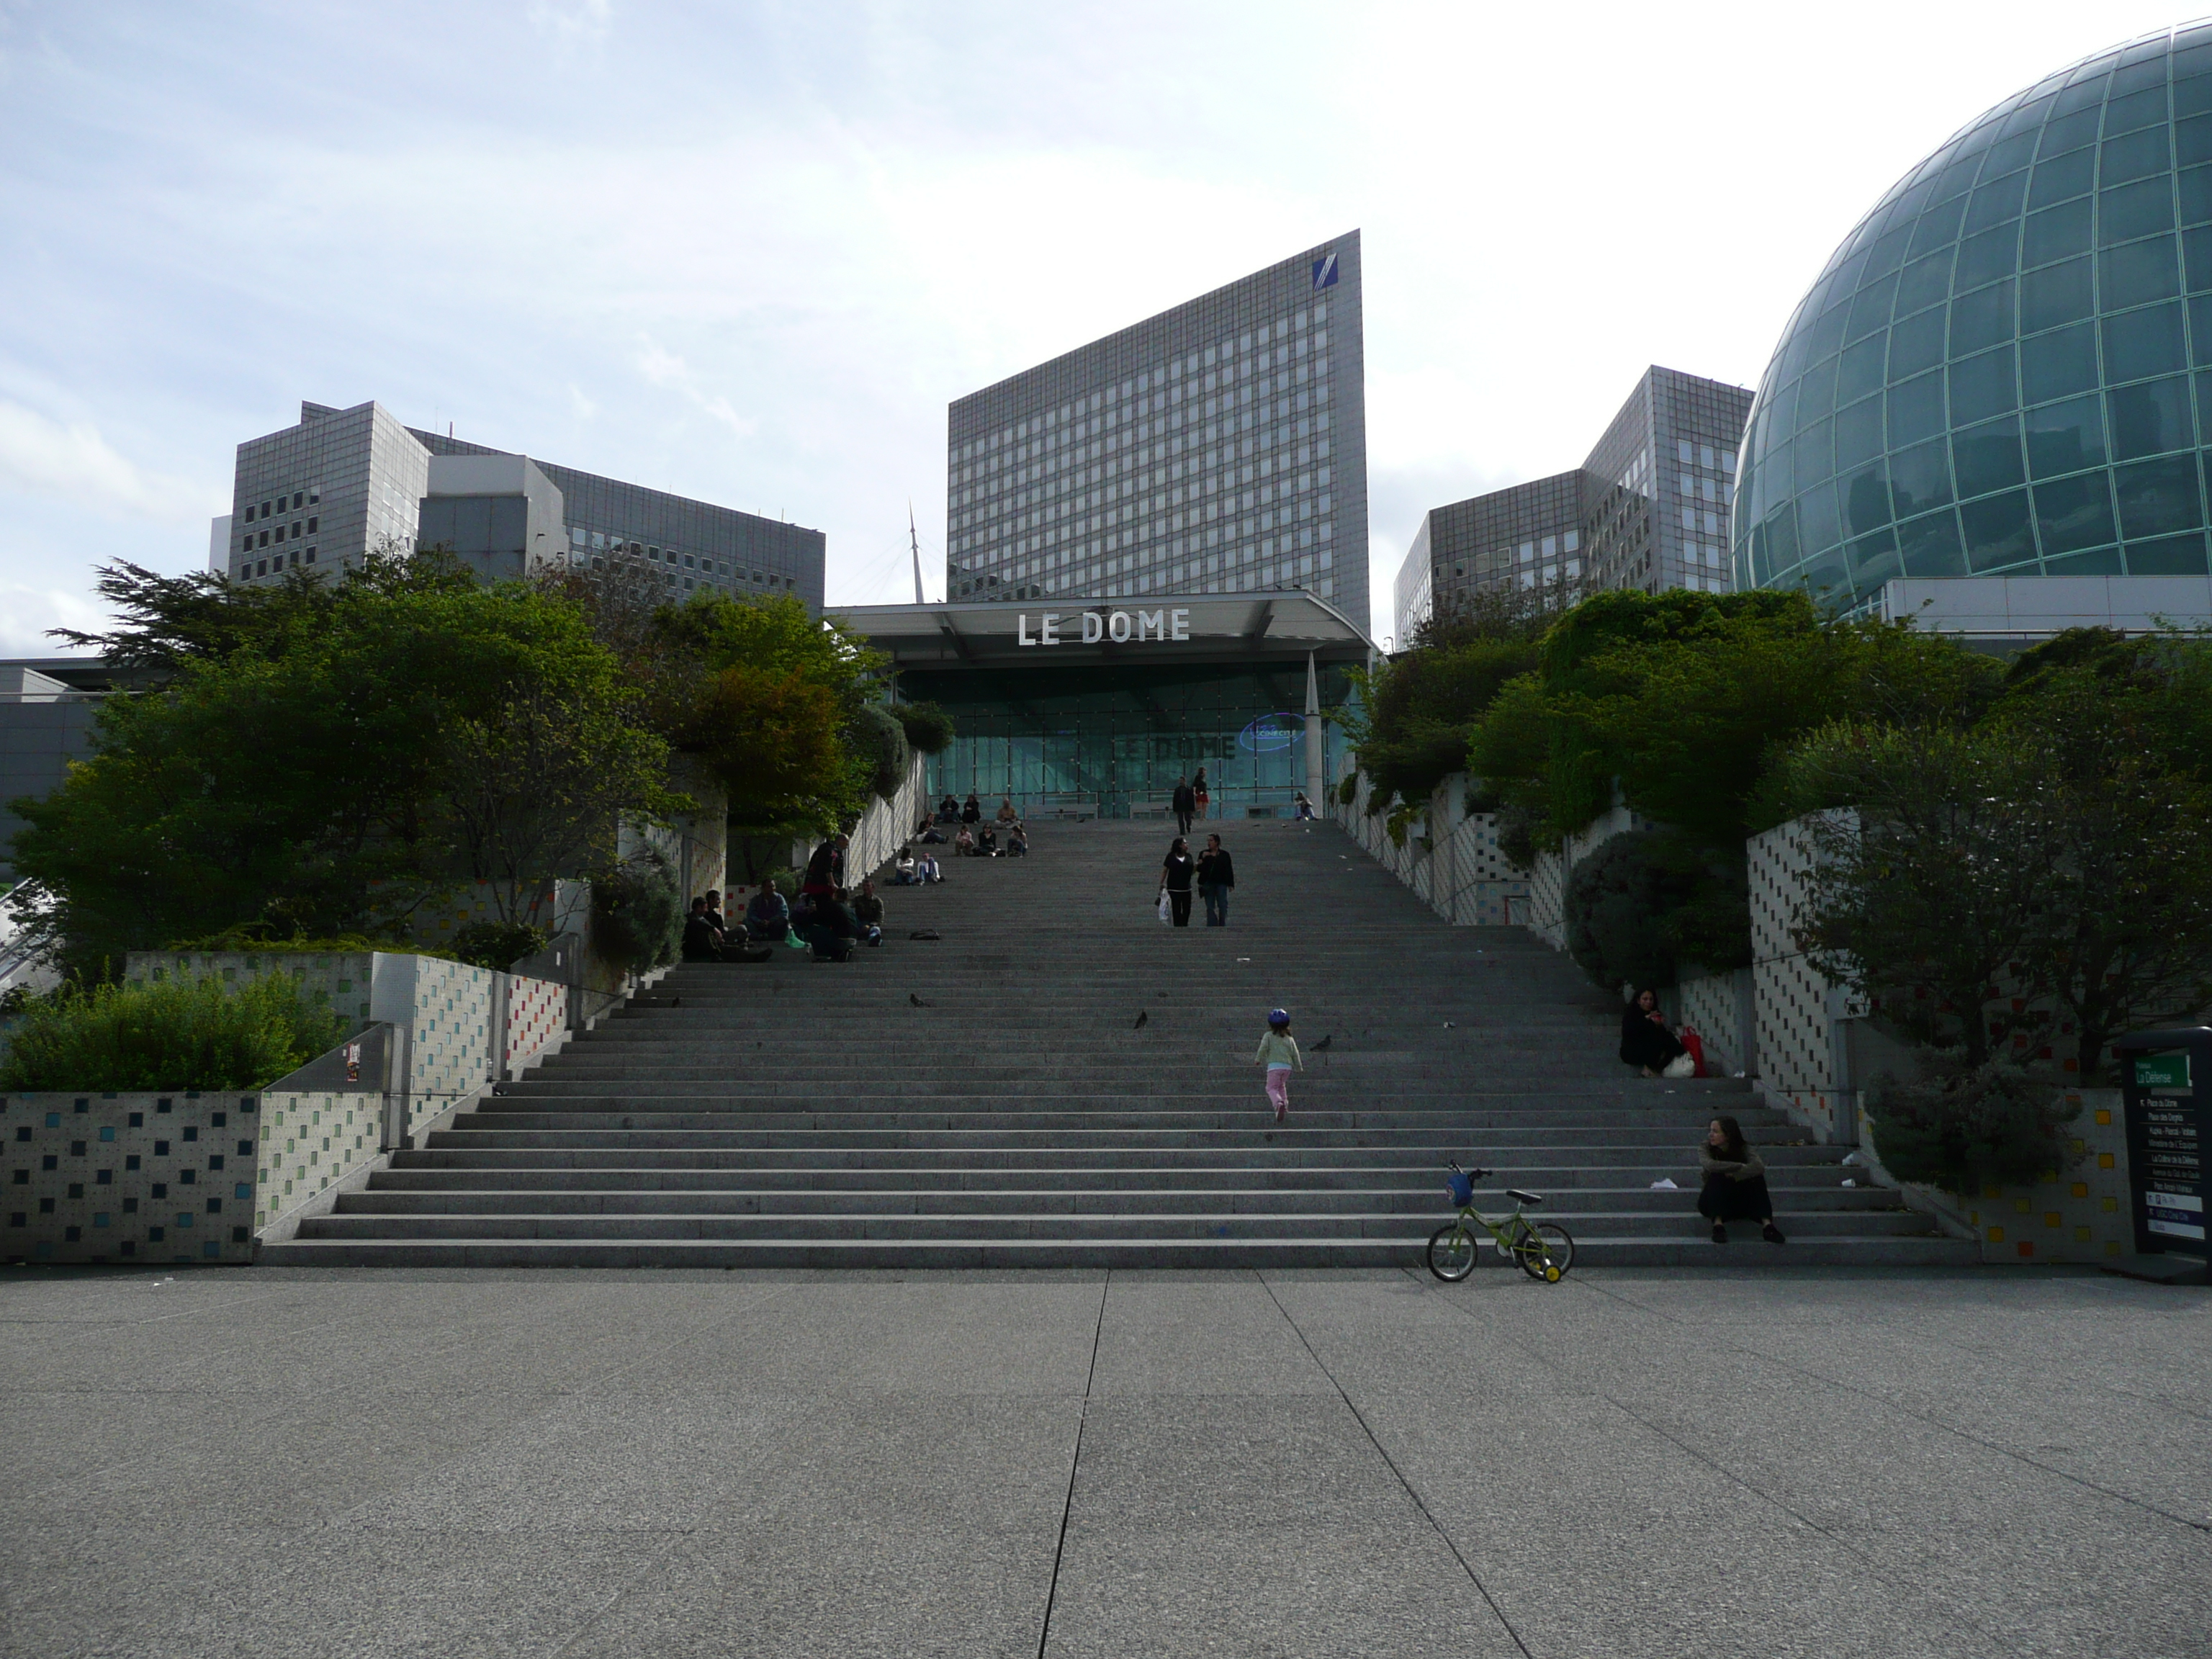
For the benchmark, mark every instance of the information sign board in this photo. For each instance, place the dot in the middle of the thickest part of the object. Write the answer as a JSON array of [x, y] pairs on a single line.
[[2168, 1117]]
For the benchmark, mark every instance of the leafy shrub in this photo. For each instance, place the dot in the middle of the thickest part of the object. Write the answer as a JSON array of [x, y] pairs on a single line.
[[252, 939], [497, 943], [1960, 1126], [929, 728], [1347, 788], [179, 1034], [637, 915], [1647, 902], [881, 742]]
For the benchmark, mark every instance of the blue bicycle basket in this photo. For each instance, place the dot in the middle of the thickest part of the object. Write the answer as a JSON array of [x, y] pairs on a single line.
[[1461, 1189]]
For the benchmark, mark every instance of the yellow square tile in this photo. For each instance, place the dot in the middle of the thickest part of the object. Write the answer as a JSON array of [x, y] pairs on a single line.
[[1997, 1235], [2022, 1205], [2080, 1235], [2053, 1218], [2104, 1116], [2104, 1160], [2080, 1189], [2111, 1204], [2112, 1247]]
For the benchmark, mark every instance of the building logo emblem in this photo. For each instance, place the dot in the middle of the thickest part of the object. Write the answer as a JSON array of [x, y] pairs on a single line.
[[1324, 272], [1272, 733]]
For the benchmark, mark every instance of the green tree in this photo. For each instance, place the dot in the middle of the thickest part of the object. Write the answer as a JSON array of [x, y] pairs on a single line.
[[324, 765]]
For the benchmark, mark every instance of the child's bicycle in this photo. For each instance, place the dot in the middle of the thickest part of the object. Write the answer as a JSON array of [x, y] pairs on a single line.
[[1544, 1248]]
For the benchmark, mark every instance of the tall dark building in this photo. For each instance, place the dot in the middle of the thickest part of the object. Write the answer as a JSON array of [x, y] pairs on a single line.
[[1648, 509], [1218, 447]]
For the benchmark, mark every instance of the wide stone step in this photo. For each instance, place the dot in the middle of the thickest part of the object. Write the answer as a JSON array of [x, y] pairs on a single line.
[[456, 1152], [1245, 1116], [1149, 1200], [1857, 1250], [472, 1174], [1045, 1224]]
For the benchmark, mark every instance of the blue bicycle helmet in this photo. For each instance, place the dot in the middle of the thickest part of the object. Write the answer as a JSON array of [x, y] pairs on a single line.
[[1278, 1017]]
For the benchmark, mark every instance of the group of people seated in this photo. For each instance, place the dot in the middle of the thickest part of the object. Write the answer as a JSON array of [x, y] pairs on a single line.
[[912, 869], [1004, 836], [829, 923]]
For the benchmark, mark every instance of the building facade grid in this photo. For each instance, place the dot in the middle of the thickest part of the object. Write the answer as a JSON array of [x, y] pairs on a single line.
[[1217, 447]]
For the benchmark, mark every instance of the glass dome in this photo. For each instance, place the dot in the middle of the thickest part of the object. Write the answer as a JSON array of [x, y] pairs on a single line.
[[1994, 373]]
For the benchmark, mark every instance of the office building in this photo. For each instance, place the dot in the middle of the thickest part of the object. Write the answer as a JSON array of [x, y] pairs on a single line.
[[1993, 373], [1527, 537], [1218, 447], [343, 485], [1648, 509]]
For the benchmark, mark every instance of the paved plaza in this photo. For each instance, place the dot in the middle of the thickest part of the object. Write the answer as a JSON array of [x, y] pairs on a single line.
[[347, 1461]]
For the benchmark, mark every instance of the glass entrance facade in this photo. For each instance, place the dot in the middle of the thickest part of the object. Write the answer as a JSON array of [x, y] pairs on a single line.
[[1115, 740]]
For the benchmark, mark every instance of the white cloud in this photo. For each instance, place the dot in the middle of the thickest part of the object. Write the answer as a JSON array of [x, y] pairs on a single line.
[[26, 614], [670, 373], [577, 23], [43, 455]]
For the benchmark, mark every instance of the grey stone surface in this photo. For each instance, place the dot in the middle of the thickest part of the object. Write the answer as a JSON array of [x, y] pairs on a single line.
[[1650, 1462]]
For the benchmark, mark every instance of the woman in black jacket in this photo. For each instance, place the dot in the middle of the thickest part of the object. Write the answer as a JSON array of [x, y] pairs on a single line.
[[1645, 1040], [1176, 873]]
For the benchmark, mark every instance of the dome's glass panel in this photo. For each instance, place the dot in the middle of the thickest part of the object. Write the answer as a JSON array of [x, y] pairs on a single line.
[[2006, 366]]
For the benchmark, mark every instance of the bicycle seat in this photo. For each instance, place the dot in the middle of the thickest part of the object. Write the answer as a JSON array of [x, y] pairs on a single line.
[[1525, 1198]]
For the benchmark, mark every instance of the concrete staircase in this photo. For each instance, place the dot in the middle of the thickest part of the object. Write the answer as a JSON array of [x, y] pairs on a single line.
[[804, 1114]]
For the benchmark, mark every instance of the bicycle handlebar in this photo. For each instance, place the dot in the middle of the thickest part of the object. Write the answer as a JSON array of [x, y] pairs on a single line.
[[1475, 1174]]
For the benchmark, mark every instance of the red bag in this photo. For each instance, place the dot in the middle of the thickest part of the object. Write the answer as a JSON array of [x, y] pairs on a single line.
[[1695, 1045]]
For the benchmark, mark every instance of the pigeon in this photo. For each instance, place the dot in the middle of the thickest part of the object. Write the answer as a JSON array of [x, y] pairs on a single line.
[[918, 1002], [1323, 1045], [1448, 1025], [1143, 1015]]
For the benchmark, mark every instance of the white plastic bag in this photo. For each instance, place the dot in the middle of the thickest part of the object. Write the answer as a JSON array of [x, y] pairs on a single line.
[[1167, 912], [1680, 1065]]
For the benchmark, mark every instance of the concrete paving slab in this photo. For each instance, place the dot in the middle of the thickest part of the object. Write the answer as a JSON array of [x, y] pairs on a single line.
[[1650, 1464]]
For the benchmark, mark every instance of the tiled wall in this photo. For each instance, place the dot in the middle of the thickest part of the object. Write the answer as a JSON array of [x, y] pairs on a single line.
[[310, 1143], [537, 1017], [1801, 1058], [124, 1177], [1717, 1006]]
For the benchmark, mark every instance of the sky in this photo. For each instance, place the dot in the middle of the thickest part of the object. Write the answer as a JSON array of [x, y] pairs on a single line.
[[749, 252]]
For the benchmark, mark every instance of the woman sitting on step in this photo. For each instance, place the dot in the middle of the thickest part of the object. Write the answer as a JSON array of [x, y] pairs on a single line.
[[1646, 1040], [1735, 1182]]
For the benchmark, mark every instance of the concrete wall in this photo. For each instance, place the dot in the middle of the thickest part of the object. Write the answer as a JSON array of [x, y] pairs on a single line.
[[184, 1176], [885, 827], [1450, 857]]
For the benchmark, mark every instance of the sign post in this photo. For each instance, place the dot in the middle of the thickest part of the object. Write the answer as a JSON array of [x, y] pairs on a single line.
[[2165, 1085]]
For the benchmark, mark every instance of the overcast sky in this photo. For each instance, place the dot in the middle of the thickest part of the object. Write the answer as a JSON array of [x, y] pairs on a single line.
[[750, 252]]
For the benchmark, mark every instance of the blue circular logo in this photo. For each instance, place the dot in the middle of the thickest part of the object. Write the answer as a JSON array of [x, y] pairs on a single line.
[[1271, 732]]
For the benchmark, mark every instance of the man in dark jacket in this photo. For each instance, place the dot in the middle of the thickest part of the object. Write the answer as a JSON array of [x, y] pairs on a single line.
[[825, 870], [1186, 806], [1216, 876]]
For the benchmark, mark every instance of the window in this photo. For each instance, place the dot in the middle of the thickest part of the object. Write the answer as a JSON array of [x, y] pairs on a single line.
[[312, 525]]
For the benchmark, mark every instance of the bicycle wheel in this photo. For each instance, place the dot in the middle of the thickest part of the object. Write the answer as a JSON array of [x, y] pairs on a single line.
[[1451, 1252], [1545, 1250]]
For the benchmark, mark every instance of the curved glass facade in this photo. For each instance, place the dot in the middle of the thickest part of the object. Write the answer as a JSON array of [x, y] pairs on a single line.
[[1997, 372]]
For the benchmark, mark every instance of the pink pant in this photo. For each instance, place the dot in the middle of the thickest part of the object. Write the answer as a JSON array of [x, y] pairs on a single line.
[[1278, 1087]]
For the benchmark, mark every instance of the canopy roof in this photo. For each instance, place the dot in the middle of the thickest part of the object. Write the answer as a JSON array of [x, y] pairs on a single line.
[[1164, 627]]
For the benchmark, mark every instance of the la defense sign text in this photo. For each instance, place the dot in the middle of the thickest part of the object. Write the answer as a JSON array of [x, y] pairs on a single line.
[[1118, 626]]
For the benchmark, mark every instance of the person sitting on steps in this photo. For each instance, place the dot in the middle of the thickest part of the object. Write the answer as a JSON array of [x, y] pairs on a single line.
[[767, 918], [928, 833], [1646, 1040], [1006, 813], [963, 844], [1018, 842], [971, 810], [987, 844], [904, 870], [1735, 1182], [868, 911]]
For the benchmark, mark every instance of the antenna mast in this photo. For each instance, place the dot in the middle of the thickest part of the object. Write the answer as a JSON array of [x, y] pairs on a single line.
[[914, 541]]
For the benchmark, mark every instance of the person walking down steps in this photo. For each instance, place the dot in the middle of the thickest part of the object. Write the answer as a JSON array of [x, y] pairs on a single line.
[[1278, 1053]]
